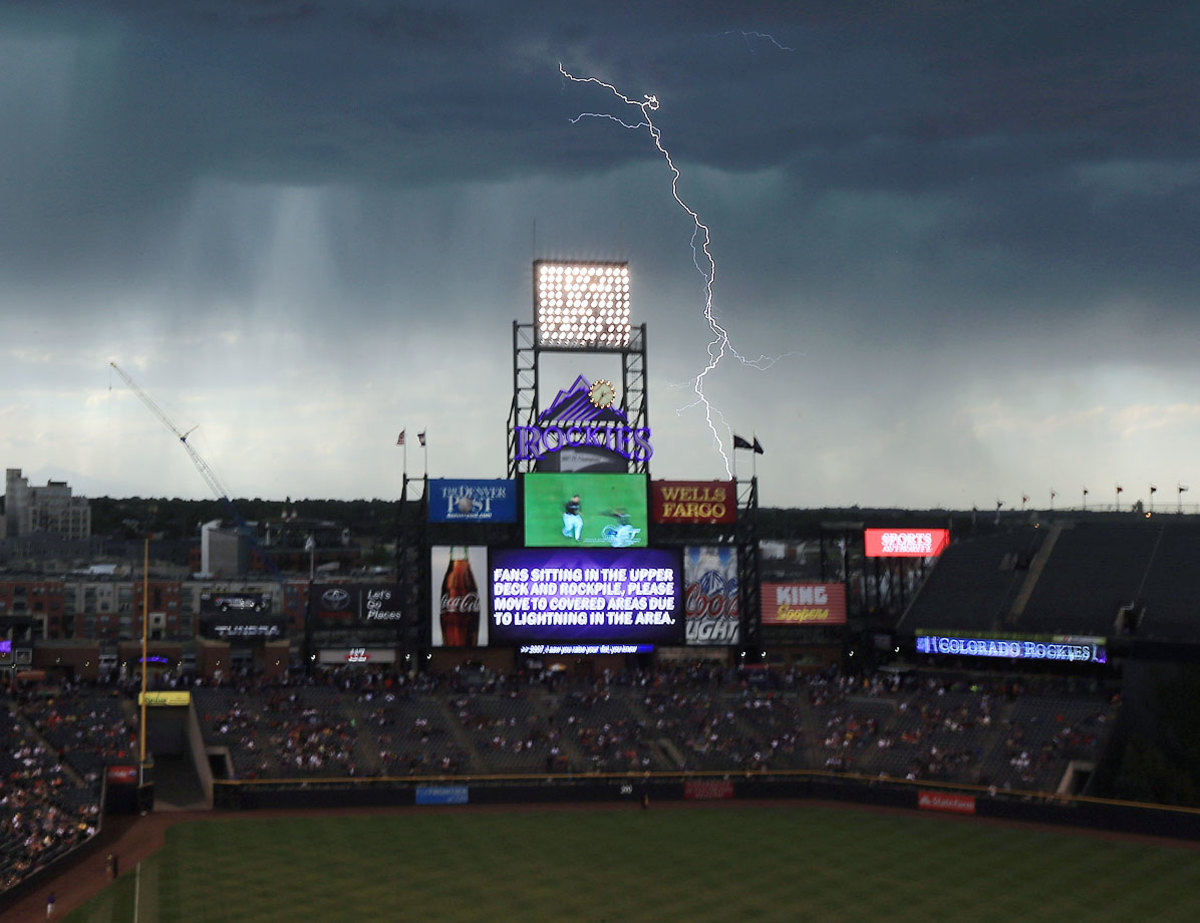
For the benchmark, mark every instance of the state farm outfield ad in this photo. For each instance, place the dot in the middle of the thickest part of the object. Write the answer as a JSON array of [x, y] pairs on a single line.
[[803, 604]]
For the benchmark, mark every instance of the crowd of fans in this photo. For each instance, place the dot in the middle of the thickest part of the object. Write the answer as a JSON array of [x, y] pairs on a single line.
[[47, 808], [686, 718], [691, 718]]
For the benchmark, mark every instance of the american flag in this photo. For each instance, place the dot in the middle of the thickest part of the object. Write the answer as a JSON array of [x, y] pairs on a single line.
[[400, 438]]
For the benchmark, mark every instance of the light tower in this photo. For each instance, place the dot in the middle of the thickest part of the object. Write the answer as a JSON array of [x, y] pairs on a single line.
[[579, 307]]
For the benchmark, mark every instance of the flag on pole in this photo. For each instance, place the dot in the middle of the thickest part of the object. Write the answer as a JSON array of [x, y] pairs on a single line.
[[740, 443], [400, 438], [758, 449], [421, 437]]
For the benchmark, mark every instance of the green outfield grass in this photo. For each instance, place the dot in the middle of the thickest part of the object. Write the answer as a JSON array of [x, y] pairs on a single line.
[[797, 862]]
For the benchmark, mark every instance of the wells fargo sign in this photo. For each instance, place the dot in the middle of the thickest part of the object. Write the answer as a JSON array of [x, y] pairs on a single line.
[[693, 501], [803, 604]]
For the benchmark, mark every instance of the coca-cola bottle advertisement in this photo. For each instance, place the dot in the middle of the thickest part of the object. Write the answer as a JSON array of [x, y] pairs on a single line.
[[459, 597]]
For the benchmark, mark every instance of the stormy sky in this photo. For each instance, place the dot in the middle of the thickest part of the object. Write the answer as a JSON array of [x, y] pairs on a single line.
[[966, 232]]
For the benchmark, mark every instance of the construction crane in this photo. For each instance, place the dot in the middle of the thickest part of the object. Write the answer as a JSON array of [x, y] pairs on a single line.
[[210, 476]]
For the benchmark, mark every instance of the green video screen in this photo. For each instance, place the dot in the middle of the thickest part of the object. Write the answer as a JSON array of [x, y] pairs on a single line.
[[562, 510]]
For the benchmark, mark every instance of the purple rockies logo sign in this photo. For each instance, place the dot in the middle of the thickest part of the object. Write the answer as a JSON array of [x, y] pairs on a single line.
[[585, 424]]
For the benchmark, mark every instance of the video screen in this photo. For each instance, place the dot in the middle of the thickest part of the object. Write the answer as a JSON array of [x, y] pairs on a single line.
[[593, 595], [595, 510]]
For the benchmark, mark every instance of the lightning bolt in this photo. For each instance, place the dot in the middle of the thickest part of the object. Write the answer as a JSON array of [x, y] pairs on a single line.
[[747, 35], [719, 346]]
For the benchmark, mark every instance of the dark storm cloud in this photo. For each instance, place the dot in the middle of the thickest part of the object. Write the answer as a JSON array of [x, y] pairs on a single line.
[[1002, 117], [320, 91], [292, 80]]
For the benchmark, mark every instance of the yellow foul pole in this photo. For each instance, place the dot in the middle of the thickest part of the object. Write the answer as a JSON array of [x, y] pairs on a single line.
[[145, 631]]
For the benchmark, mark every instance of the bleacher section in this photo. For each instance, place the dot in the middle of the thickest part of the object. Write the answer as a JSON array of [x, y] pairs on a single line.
[[946, 729], [1069, 578], [976, 583], [46, 811], [956, 730]]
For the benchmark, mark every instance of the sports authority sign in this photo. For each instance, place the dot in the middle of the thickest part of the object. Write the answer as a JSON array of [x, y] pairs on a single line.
[[803, 604], [905, 543], [693, 502]]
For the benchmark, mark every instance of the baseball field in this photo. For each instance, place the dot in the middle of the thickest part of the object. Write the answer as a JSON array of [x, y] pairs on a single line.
[[757, 862]]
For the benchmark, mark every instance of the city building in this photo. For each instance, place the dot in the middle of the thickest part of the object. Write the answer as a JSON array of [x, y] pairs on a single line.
[[50, 510]]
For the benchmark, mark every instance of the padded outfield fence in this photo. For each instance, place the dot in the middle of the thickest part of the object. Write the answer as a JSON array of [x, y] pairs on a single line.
[[1014, 806]]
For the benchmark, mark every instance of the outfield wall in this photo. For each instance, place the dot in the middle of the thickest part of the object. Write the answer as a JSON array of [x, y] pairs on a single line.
[[1010, 806]]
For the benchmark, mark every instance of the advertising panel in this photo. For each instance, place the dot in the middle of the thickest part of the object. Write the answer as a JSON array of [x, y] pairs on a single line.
[[224, 627], [803, 604], [693, 502], [564, 510], [220, 601], [442, 794], [375, 604], [343, 655], [590, 595], [951, 802], [472, 500], [905, 543], [710, 595], [458, 596], [121, 775], [585, 650], [170, 697], [707, 790], [1070, 648]]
